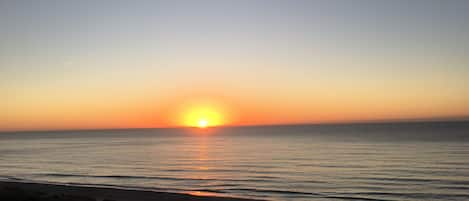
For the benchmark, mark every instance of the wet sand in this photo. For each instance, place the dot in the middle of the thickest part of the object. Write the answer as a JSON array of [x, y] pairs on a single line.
[[21, 191]]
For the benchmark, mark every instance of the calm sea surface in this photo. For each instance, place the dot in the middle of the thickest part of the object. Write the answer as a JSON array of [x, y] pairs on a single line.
[[410, 161]]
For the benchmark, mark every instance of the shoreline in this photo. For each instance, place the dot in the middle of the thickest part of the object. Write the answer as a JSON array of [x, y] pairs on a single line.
[[18, 191]]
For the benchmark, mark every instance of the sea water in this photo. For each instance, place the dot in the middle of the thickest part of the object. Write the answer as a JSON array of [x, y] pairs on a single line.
[[380, 161]]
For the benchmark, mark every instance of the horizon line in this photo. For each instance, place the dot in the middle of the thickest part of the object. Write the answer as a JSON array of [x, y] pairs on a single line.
[[378, 121]]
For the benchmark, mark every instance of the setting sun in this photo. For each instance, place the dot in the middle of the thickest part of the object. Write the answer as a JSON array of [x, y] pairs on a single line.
[[203, 123], [203, 115]]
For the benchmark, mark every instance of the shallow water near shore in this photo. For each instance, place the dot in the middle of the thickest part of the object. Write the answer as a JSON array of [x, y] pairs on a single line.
[[398, 161]]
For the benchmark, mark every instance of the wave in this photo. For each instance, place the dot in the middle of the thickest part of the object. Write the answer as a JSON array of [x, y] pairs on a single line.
[[403, 180], [229, 189], [357, 198], [129, 187], [5, 177], [420, 196], [121, 177], [274, 191], [151, 177], [126, 187], [308, 194]]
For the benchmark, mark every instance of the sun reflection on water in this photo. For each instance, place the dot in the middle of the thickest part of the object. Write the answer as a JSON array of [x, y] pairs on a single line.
[[202, 193]]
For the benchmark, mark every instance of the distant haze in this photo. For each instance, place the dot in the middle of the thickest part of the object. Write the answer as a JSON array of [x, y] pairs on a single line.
[[119, 64]]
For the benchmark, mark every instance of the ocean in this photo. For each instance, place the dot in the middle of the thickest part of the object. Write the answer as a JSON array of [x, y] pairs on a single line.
[[380, 161]]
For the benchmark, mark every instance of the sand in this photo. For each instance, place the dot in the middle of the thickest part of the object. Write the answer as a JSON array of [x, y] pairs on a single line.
[[22, 191]]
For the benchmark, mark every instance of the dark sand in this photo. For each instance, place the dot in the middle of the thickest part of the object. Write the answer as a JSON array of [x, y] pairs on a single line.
[[20, 191]]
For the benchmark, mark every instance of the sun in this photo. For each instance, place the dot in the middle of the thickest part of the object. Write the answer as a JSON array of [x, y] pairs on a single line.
[[202, 123], [203, 116]]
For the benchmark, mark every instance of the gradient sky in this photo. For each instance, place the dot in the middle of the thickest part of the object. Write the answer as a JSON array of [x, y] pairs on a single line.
[[114, 64]]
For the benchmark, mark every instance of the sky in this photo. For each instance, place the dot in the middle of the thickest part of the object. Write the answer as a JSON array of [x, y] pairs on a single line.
[[128, 64]]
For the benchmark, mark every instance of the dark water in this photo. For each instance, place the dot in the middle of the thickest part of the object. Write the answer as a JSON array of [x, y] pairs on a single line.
[[405, 161]]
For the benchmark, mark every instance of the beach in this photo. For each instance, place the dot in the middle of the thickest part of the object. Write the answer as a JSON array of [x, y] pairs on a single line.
[[20, 191]]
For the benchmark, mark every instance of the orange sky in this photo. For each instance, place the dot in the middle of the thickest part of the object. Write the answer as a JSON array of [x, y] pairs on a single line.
[[85, 65], [116, 112]]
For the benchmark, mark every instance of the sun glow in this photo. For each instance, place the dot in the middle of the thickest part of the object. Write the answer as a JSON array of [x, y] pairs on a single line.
[[202, 116], [203, 112]]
